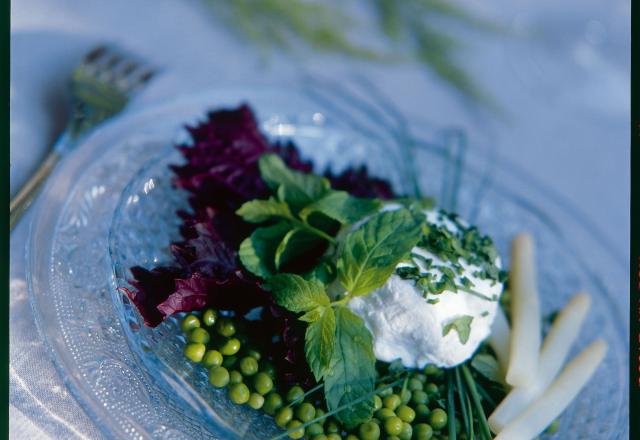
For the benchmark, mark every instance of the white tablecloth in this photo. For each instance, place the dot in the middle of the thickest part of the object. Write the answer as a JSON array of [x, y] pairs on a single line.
[[565, 91]]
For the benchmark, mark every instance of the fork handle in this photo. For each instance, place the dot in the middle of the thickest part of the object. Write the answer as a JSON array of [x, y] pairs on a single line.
[[29, 191]]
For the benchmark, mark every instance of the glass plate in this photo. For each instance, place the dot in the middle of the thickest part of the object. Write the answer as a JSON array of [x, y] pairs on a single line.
[[115, 192]]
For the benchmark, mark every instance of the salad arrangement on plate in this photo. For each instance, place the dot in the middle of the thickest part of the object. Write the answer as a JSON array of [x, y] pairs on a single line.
[[347, 311]]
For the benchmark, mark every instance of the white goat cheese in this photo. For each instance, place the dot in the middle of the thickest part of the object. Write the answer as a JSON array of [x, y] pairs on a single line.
[[406, 326]]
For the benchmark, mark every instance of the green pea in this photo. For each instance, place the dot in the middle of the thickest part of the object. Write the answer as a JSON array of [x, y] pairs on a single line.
[[422, 431], [194, 351], [431, 388], [283, 416], [231, 347], [406, 413], [415, 385], [254, 354], [295, 393], [405, 396], [272, 403], [392, 402], [421, 377], [267, 367], [384, 413], [422, 412], [393, 425], [369, 431], [352, 437], [239, 393], [322, 437], [393, 437], [407, 431], [248, 366], [212, 358], [431, 370], [306, 412], [229, 361], [419, 397], [334, 436], [256, 401], [377, 403], [209, 317], [319, 413], [315, 429], [293, 432], [199, 334], [225, 327], [189, 323], [219, 377], [262, 383], [332, 427], [235, 377], [438, 418]]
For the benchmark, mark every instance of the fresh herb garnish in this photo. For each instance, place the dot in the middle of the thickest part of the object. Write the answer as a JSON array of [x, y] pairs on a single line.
[[461, 325], [296, 294], [257, 252], [372, 251], [342, 207], [293, 187], [304, 209], [487, 365], [338, 346], [352, 371]]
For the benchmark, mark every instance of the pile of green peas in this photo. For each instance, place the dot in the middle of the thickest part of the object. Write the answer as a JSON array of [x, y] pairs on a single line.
[[411, 411]]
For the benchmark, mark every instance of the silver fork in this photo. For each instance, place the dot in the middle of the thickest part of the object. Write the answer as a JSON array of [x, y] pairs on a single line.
[[101, 86]]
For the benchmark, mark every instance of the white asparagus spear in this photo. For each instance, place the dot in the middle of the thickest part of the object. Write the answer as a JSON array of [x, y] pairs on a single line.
[[553, 355], [499, 339], [524, 347], [544, 410]]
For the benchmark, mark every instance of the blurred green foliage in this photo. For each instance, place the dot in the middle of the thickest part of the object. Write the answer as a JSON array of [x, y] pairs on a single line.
[[413, 30]]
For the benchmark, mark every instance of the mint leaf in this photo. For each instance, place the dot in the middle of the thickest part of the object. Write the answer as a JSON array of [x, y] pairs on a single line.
[[462, 325], [352, 370], [371, 252], [295, 245], [324, 271], [342, 207], [296, 294], [487, 365], [313, 315], [257, 252], [319, 341], [296, 188], [257, 211]]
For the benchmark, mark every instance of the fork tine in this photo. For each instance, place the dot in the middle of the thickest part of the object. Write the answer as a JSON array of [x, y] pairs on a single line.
[[108, 70], [134, 82], [95, 54]]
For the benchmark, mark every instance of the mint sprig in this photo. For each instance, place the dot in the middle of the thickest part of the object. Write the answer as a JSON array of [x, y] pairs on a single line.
[[342, 207], [257, 252], [308, 214], [352, 372], [338, 346], [302, 210], [372, 251], [296, 294]]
